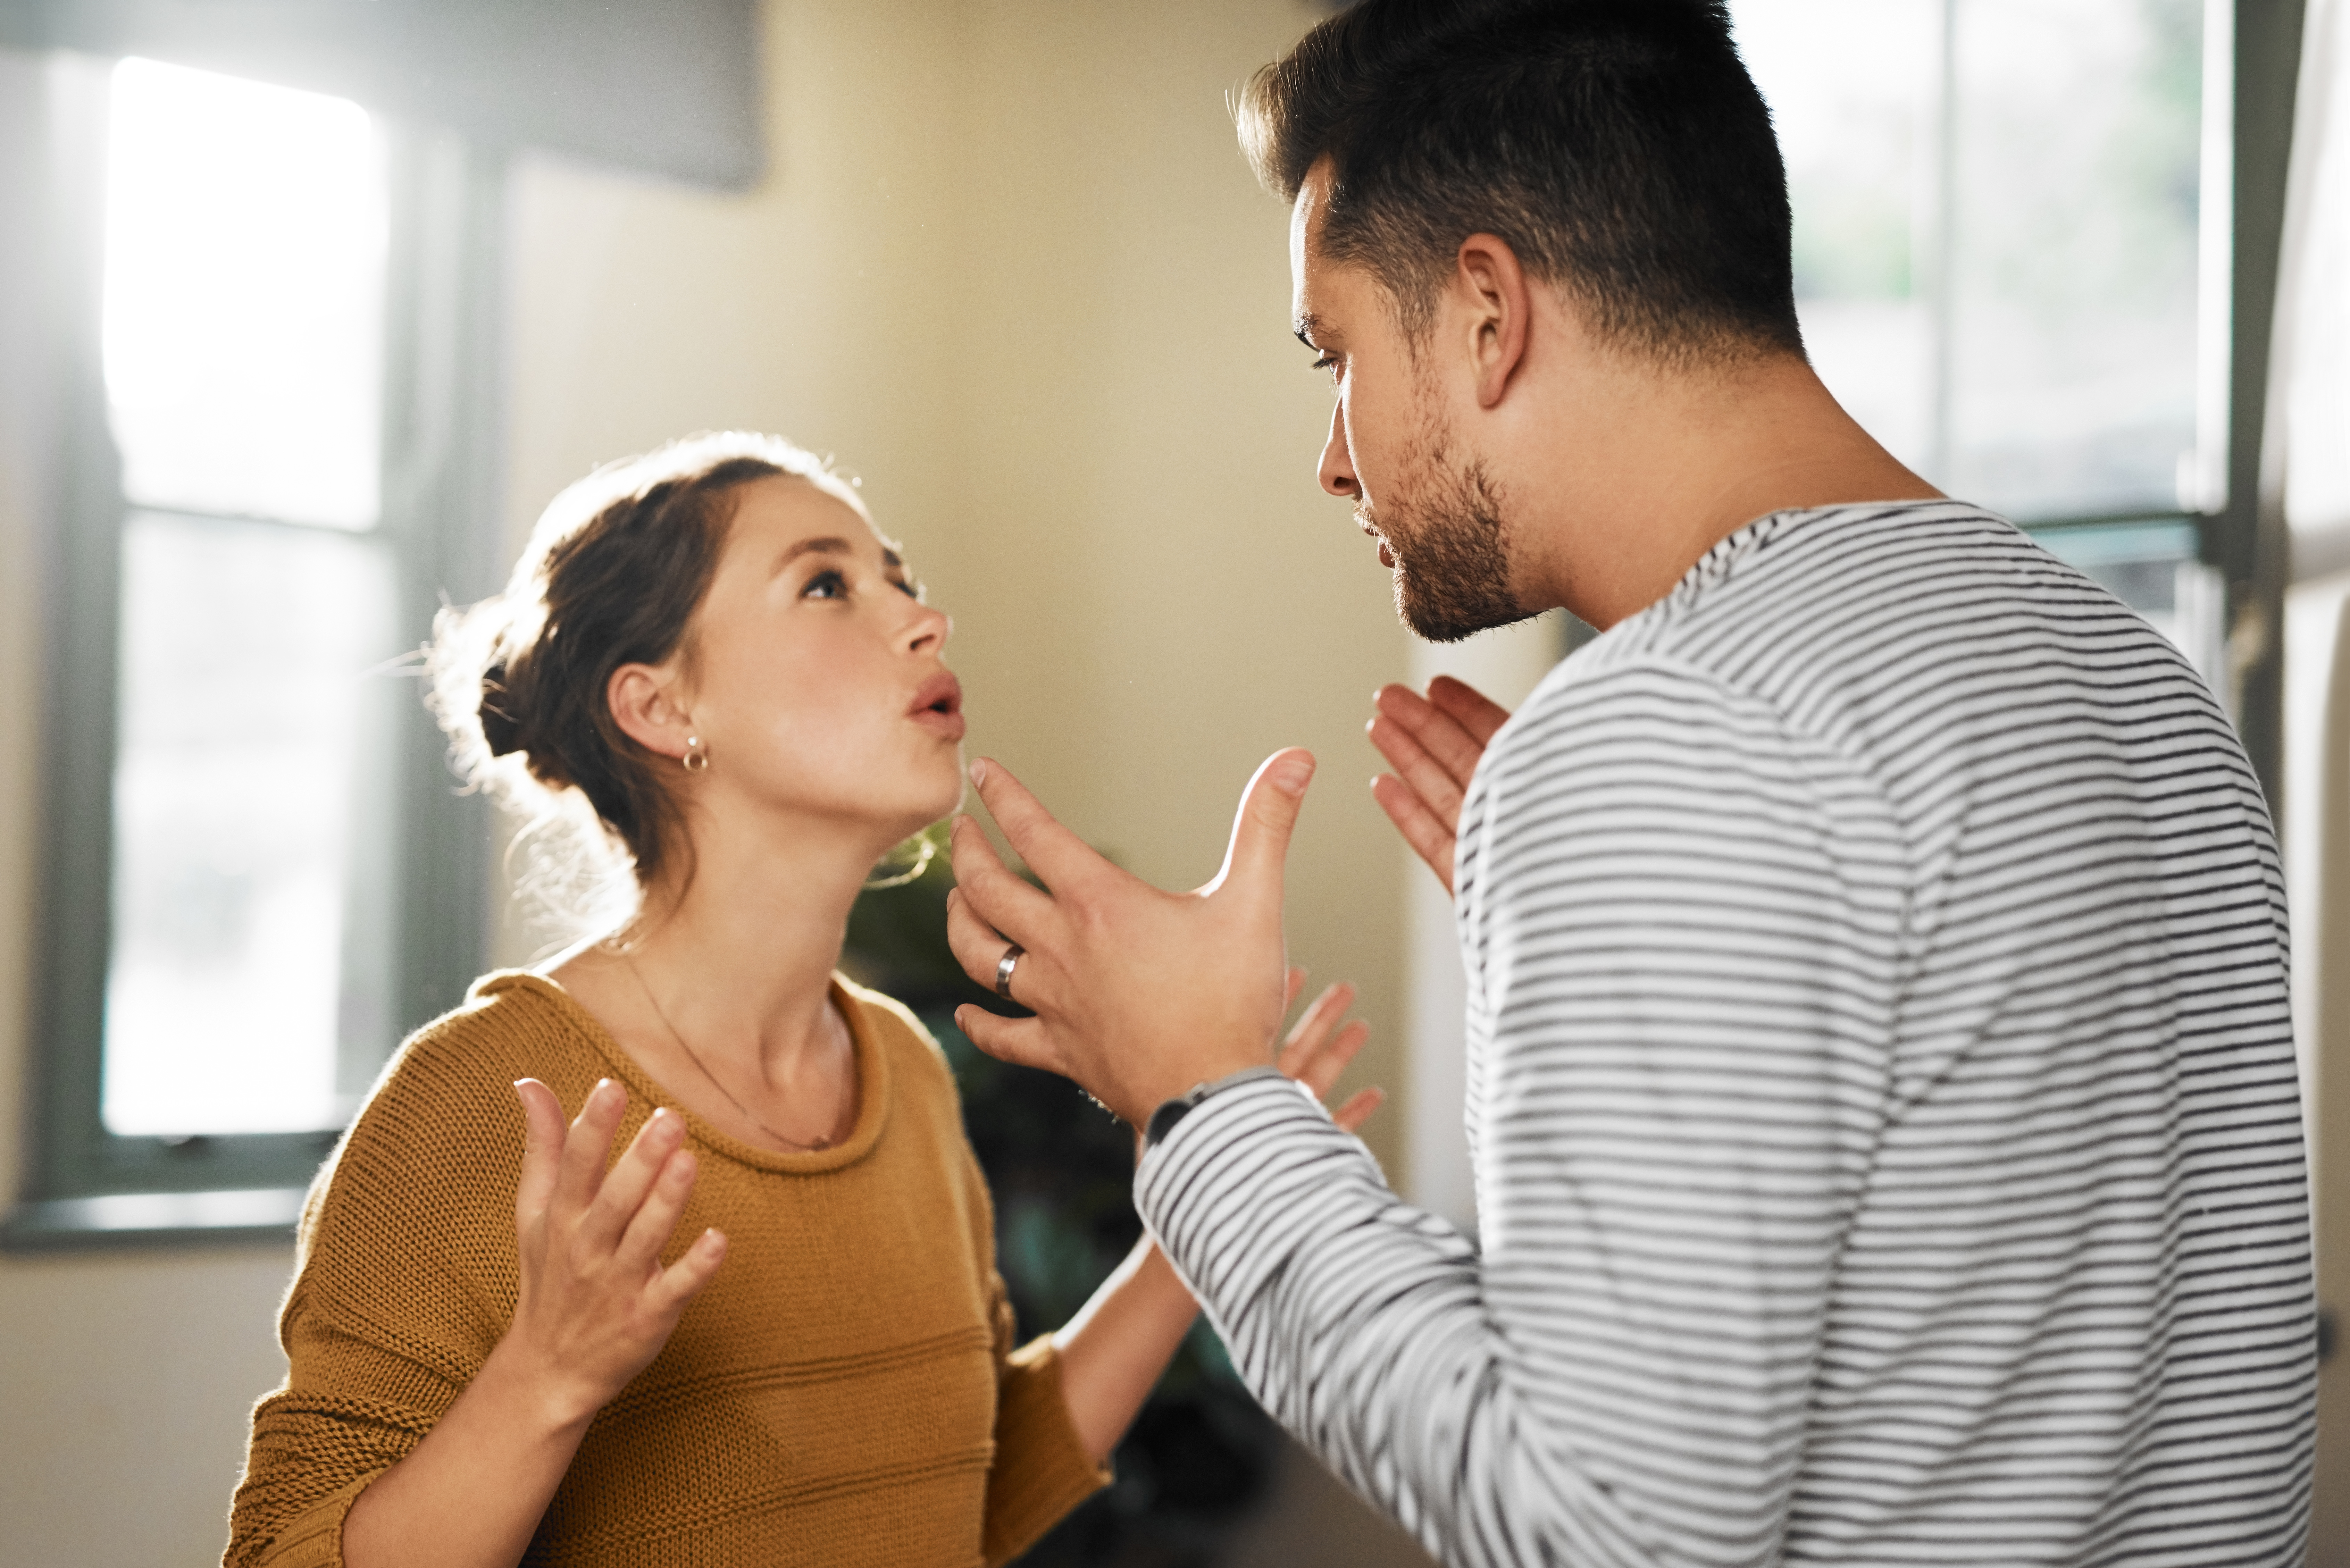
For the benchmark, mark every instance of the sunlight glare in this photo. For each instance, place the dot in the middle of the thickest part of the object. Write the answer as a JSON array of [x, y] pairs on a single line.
[[245, 234]]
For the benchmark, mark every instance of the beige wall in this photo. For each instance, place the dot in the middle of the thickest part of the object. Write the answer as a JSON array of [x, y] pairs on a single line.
[[1008, 266]]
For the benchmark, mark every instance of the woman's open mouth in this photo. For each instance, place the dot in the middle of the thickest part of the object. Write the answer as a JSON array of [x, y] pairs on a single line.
[[938, 705]]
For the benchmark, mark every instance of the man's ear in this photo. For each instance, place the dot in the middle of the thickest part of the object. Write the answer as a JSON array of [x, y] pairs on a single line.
[[644, 703], [1491, 287]]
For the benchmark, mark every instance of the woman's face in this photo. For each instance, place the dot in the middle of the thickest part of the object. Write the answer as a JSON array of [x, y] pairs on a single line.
[[815, 682]]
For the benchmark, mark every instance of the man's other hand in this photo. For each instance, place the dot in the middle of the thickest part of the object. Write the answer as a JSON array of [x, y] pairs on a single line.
[[1138, 994], [1433, 743]]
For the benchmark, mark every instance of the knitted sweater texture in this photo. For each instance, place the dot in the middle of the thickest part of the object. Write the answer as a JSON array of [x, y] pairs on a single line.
[[844, 1392]]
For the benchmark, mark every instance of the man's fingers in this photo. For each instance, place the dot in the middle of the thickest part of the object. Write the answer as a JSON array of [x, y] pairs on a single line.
[[1471, 708], [1429, 839], [1358, 1108], [979, 948], [588, 1144], [1261, 830], [1019, 1040], [1001, 898], [1052, 851], [1431, 780], [542, 1148]]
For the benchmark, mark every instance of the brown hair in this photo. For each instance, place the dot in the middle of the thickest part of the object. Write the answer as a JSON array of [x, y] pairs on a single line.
[[612, 575], [1618, 145]]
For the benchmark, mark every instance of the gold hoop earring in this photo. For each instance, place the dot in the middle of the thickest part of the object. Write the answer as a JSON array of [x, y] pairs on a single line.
[[696, 760]]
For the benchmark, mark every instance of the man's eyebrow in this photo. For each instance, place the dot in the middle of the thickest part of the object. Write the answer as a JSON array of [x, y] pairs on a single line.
[[1306, 328]]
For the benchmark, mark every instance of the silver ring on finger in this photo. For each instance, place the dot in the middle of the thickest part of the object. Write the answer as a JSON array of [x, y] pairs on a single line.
[[1012, 955]]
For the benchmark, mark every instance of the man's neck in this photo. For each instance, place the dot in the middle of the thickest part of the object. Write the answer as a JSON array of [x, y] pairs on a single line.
[[1658, 468]]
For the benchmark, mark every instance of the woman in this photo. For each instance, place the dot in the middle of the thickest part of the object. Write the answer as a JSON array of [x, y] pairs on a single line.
[[772, 1330]]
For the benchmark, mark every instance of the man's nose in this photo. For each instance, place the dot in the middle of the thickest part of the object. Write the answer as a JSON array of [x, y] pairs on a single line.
[[1338, 464]]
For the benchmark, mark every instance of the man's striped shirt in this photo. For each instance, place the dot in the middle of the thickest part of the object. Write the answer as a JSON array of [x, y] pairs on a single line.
[[1881, 1092]]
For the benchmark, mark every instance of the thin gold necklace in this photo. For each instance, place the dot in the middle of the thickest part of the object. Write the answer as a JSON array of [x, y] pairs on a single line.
[[794, 1144]]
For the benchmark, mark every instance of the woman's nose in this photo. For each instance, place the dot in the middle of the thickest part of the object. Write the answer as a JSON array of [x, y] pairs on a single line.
[[930, 628], [1338, 463]]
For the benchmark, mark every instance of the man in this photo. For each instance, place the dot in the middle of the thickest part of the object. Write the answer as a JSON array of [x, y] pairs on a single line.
[[1881, 1087]]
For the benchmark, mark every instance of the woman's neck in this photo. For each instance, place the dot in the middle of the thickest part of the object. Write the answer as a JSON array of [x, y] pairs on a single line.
[[737, 943]]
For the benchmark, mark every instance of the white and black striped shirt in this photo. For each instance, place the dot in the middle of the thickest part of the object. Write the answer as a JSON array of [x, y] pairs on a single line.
[[1882, 1098]]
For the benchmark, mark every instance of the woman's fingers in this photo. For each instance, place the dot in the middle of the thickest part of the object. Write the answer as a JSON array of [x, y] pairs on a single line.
[[541, 1149], [1431, 781], [682, 1280], [1448, 743], [1318, 1051], [1429, 839], [1314, 1026], [653, 1220], [586, 1146], [1475, 712], [627, 1185]]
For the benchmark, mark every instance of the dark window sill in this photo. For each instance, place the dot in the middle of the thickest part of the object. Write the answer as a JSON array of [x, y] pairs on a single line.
[[250, 1214]]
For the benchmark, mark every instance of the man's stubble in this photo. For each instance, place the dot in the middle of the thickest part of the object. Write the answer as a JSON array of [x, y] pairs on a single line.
[[1443, 526]]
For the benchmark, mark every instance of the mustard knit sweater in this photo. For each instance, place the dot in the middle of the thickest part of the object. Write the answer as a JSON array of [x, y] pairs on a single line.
[[845, 1391]]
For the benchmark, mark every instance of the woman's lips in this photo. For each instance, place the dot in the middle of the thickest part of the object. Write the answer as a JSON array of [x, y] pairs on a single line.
[[938, 706]]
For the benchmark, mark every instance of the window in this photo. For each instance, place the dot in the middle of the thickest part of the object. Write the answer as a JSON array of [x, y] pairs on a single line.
[[2015, 256], [262, 877]]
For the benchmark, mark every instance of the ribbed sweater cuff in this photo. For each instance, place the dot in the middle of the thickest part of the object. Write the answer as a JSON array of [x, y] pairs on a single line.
[[1042, 1469], [314, 1538]]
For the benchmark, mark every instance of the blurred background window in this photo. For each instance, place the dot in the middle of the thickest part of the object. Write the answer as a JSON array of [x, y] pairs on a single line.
[[248, 975], [2011, 246]]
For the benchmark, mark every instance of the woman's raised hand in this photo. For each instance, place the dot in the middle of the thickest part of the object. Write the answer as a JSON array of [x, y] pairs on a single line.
[[1316, 1050], [1433, 743], [595, 1305]]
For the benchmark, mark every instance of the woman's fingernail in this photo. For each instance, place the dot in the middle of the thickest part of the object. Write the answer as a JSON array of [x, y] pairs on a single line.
[[978, 771]]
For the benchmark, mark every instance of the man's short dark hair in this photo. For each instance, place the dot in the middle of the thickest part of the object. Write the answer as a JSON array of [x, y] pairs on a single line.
[[1618, 145]]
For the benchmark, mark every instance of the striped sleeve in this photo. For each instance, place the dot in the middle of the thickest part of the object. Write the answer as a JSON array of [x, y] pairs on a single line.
[[1682, 931]]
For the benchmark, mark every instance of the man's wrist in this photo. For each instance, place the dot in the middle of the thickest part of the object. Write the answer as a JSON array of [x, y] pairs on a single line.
[[1169, 1112]]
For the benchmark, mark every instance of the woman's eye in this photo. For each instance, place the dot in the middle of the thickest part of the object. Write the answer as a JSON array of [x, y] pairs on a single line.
[[825, 585], [907, 588], [1328, 363]]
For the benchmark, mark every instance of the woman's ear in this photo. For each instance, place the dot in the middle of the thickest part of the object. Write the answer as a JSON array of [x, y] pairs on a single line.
[[644, 703]]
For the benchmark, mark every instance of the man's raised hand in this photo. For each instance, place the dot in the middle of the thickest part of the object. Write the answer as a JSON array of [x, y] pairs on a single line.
[[1433, 743], [1138, 994]]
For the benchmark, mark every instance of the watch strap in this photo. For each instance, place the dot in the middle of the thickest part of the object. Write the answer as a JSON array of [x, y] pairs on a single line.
[[1169, 1112]]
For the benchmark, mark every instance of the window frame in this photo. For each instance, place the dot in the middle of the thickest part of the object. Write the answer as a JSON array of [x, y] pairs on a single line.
[[85, 1185]]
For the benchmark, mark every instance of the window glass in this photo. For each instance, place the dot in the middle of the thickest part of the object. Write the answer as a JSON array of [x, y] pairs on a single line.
[[251, 887], [1998, 227], [241, 995], [245, 229]]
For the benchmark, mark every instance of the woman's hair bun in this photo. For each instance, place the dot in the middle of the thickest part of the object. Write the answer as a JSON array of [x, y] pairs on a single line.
[[500, 726]]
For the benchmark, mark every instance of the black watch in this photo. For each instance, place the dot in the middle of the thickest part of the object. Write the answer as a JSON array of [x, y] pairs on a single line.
[[1163, 1120]]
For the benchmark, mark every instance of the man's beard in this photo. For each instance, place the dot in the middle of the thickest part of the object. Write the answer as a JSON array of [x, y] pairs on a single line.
[[1444, 530]]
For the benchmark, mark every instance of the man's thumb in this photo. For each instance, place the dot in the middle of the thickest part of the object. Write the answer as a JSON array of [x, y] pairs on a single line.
[[1269, 808]]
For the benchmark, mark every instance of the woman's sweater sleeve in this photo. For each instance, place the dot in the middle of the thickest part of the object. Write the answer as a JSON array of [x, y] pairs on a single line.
[[1041, 1469], [403, 1283]]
